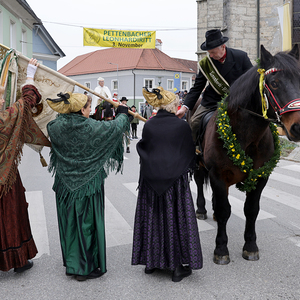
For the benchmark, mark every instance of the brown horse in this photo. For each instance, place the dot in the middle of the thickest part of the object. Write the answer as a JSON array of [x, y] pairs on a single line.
[[251, 131]]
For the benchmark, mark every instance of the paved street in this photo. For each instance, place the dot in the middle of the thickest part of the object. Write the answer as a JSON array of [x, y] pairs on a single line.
[[274, 276]]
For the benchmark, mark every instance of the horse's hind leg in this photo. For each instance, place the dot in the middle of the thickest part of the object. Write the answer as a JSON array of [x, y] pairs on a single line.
[[201, 212], [251, 210]]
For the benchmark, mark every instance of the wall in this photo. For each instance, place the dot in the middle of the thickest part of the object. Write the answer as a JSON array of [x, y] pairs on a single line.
[[238, 19]]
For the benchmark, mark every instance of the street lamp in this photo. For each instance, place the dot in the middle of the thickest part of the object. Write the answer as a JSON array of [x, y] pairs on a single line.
[[117, 75]]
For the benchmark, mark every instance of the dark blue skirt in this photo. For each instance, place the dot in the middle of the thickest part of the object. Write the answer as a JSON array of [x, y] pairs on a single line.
[[165, 229]]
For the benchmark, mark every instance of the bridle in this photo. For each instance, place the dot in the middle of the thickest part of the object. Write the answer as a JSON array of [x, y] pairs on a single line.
[[269, 98]]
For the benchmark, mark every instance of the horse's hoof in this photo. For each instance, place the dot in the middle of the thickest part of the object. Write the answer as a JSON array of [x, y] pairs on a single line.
[[250, 255], [221, 260], [201, 216]]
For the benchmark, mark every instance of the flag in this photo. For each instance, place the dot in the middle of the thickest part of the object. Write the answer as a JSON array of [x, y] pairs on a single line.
[[119, 38], [48, 82], [177, 80]]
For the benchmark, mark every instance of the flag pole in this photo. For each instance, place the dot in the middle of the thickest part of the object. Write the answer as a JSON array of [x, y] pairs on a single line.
[[71, 81]]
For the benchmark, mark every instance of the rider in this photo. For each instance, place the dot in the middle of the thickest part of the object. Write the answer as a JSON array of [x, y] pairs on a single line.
[[221, 67]]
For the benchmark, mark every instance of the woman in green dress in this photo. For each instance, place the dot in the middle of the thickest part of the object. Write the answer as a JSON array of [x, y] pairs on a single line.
[[83, 152]]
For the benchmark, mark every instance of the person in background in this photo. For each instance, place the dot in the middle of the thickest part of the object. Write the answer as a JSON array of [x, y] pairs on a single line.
[[165, 228], [148, 110], [134, 123], [17, 246], [83, 152], [103, 91], [124, 101]]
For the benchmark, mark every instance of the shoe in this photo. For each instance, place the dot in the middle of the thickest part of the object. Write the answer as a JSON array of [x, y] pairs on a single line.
[[80, 278], [95, 274], [24, 268], [127, 150], [201, 216], [149, 271], [181, 272]]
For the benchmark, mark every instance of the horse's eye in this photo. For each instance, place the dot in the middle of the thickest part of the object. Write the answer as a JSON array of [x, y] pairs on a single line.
[[274, 84]]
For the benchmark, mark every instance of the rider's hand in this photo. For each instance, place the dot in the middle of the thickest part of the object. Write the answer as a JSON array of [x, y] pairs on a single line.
[[181, 112]]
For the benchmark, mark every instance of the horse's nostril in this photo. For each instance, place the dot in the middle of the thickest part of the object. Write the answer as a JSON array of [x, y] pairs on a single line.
[[295, 132]]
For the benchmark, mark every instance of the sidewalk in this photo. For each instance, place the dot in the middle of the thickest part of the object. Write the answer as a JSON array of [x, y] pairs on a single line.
[[295, 154]]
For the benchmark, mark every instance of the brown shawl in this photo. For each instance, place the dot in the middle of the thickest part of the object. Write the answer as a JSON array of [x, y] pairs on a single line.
[[16, 128]]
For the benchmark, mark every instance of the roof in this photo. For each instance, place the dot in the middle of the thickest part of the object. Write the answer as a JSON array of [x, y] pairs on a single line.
[[191, 64], [112, 59]]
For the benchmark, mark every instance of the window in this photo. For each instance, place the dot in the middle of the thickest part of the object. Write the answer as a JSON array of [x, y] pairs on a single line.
[[24, 42], [170, 84], [149, 83], [87, 84], [184, 85], [12, 34], [115, 84]]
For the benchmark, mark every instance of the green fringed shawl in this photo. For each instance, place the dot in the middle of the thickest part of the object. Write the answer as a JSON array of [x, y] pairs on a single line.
[[83, 152]]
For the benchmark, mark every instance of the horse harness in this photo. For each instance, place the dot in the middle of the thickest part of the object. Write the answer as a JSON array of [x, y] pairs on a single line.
[[269, 98]]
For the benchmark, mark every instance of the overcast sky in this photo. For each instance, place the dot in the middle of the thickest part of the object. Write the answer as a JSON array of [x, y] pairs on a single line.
[[174, 21]]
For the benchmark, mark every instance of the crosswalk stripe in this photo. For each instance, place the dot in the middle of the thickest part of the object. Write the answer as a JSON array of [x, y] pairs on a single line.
[[117, 230], [285, 179], [293, 167], [282, 197], [37, 219], [237, 205]]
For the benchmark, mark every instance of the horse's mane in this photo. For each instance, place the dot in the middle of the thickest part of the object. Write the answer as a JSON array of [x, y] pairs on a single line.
[[246, 87]]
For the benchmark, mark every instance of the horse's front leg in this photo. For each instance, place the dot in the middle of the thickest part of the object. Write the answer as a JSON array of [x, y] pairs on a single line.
[[251, 210], [222, 211]]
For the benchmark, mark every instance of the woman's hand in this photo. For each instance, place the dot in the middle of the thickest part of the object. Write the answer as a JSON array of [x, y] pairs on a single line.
[[31, 68]]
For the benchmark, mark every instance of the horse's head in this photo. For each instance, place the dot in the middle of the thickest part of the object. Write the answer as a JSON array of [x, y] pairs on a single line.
[[282, 89]]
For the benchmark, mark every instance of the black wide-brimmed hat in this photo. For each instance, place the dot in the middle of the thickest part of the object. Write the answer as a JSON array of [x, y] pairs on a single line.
[[124, 99], [214, 39]]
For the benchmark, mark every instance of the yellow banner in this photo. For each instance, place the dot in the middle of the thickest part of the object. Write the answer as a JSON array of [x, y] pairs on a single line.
[[119, 38]]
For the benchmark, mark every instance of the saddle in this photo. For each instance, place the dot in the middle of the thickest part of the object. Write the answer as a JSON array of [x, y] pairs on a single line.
[[200, 133], [203, 123]]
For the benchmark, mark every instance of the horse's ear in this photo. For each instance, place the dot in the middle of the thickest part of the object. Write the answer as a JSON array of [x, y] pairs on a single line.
[[265, 57], [295, 51]]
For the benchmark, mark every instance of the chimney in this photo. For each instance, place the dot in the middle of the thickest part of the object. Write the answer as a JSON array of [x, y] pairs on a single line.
[[158, 44]]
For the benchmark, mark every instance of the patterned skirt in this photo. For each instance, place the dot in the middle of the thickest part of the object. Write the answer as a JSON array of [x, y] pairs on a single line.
[[16, 241], [165, 229]]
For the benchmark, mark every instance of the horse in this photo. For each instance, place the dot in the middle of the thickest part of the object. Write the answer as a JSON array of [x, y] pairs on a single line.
[[240, 145]]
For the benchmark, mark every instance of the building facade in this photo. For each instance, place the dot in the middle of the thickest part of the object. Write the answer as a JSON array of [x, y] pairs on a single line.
[[127, 71], [248, 24], [23, 31]]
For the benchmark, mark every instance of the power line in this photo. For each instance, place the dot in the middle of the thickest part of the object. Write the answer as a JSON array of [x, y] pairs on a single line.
[[93, 25]]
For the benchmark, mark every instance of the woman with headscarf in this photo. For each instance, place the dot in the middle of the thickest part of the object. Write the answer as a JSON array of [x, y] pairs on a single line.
[[165, 229], [17, 127], [83, 152]]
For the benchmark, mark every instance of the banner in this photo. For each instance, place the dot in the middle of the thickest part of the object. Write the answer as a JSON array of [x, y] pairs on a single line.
[[177, 81], [119, 38], [48, 82], [285, 26]]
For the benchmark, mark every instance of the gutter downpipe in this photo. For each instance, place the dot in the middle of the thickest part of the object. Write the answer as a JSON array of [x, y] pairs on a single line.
[[133, 87], [258, 27]]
